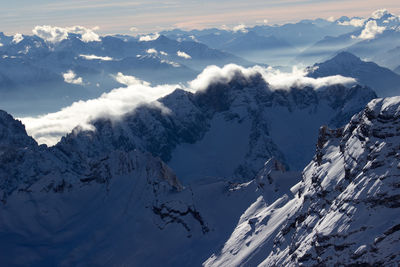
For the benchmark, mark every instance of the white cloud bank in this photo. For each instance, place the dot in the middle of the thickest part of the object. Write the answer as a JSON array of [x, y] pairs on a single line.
[[151, 51], [70, 77], [378, 14], [57, 34], [94, 57], [355, 22], [129, 80], [148, 38], [183, 55], [50, 128], [240, 28], [275, 78], [370, 30]]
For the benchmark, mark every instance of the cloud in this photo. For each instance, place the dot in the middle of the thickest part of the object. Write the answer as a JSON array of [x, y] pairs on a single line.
[[275, 78], [57, 34], [224, 27], [151, 51], [51, 127], [94, 57], [70, 77], [163, 53], [378, 14], [183, 54], [133, 29], [17, 38], [148, 38], [129, 80], [1, 45], [355, 22], [331, 19], [370, 31], [51, 34], [240, 28], [297, 78], [48, 129], [173, 64]]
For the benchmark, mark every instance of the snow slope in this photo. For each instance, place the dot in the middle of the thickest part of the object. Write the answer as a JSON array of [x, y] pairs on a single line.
[[67, 205], [345, 211]]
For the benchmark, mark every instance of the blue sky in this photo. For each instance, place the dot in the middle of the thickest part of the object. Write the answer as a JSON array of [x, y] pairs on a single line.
[[152, 15]]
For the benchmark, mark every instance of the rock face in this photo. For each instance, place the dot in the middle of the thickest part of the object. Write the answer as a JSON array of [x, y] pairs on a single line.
[[74, 203], [95, 198], [12, 133], [243, 116], [345, 211]]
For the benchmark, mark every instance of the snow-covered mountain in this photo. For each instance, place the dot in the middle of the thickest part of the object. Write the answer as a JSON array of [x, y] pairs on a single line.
[[240, 113], [345, 211], [70, 205], [384, 81]]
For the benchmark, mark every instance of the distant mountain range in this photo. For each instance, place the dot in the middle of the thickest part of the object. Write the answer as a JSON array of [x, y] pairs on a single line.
[[35, 67], [375, 39], [384, 81]]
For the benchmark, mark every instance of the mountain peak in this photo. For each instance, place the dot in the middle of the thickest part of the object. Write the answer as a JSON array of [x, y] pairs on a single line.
[[384, 81], [13, 133], [345, 56]]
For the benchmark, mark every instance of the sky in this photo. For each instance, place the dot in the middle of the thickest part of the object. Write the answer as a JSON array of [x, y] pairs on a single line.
[[123, 16]]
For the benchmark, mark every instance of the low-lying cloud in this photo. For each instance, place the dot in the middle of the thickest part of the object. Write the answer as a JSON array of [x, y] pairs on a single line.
[[275, 78], [240, 28], [17, 38], [378, 14], [355, 22], [370, 30], [183, 55], [57, 34], [94, 57], [70, 77], [50, 128], [148, 38], [152, 51], [129, 80]]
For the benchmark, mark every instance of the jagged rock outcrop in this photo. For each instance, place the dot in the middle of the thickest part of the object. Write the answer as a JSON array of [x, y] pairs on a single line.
[[345, 211], [68, 204]]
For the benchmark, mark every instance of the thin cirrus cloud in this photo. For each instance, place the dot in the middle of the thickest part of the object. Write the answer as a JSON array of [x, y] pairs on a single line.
[[48, 129]]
